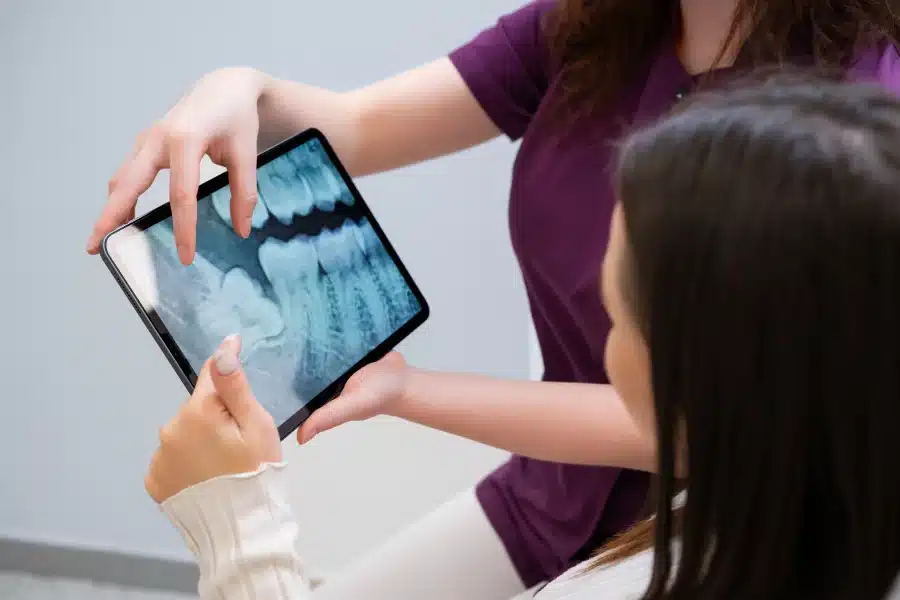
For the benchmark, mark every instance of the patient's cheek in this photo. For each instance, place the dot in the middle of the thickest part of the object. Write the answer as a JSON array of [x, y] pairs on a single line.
[[628, 368]]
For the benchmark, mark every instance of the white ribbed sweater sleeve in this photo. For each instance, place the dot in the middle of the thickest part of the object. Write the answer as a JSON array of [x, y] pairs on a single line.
[[243, 534]]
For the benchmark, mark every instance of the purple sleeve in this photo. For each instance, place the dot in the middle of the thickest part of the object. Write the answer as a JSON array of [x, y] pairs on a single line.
[[507, 67], [877, 65], [889, 69]]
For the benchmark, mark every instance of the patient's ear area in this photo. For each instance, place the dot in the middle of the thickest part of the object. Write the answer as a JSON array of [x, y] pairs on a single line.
[[627, 357]]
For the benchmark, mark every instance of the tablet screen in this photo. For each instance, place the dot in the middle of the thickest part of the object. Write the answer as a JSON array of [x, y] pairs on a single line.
[[313, 290]]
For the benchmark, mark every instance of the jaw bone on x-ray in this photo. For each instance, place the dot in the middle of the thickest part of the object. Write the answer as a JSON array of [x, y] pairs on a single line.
[[311, 291]]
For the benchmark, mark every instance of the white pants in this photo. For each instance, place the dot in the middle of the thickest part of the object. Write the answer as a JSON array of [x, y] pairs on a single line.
[[450, 554]]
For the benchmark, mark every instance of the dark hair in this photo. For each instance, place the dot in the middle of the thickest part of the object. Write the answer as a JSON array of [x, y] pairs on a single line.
[[599, 44], [763, 265]]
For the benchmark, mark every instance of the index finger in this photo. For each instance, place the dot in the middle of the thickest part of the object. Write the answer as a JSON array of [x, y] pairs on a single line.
[[133, 179], [185, 156], [241, 165]]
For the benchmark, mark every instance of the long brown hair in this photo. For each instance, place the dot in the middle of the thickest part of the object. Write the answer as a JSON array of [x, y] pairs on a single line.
[[598, 44]]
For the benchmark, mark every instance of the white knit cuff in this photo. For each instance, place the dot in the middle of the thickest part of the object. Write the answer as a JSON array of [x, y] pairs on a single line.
[[236, 525]]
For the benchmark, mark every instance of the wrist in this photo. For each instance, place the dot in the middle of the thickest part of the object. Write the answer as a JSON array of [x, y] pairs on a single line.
[[403, 405], [267, 108], [265, 88]]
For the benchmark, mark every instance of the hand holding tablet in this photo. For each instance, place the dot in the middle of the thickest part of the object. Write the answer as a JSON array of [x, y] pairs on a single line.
[[316, 291], [221, 430]]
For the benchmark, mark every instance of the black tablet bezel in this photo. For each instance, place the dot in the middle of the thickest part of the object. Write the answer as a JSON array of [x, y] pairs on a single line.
[[167, 343]]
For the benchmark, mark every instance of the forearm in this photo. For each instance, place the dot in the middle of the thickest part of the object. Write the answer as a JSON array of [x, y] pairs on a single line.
[[561, 422], [409, 118]]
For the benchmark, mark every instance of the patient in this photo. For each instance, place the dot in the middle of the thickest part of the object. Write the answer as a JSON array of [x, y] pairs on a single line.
[[753, 281]]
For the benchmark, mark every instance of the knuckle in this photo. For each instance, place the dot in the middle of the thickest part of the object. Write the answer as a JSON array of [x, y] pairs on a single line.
[[166, 435], [267, 422], [143, 135], [154, 135], [251, 198], [178, 134], [177, 131], [179, 196], [194, 414]]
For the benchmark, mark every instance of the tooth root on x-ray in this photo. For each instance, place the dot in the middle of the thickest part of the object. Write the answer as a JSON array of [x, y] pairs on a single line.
[[370, 322], [302, 296], [336, 184], [391, 281], [330, 190], [293, 269], [276, 193], [368, 238], [342, 262], [324, 179], [305, 197]]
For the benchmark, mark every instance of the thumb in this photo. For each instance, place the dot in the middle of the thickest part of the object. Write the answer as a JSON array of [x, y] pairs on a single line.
[[349, 406], [230, 383]]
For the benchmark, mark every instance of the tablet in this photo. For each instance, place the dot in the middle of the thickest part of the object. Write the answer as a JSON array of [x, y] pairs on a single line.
[[315, 292]]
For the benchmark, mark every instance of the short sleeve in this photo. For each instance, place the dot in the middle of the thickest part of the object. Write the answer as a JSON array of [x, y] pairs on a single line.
[[507, 67], [880, 65], [889, 69]]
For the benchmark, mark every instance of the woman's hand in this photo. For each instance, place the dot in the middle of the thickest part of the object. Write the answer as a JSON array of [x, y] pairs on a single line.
[[373, 390], [218, 117], [221, 430]]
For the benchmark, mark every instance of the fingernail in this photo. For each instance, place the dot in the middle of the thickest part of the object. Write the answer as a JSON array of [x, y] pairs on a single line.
[[226, 357], [247, 226]]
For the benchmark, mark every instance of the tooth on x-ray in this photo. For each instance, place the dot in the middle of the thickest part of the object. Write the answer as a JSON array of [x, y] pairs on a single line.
[[240, 306], [341, 258], [328, 190], [338, 250], [295, 261], [367, 238], [277, 186], [306, 197], [292, 269], [312, 168], [221, 200]]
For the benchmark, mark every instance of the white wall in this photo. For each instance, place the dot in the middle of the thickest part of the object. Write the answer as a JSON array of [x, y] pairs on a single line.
[[85, 388]]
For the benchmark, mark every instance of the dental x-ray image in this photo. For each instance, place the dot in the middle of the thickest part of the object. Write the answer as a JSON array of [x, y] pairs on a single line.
[[311, 292]]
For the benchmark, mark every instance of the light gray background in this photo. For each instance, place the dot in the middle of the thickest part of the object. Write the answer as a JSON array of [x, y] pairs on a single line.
[[85, 389]]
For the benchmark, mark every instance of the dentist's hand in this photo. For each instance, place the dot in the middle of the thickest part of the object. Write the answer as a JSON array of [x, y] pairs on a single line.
[[376, 389], [219, 118], [221, 430]]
